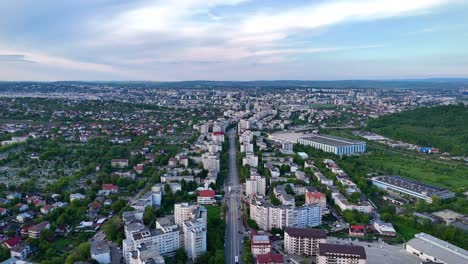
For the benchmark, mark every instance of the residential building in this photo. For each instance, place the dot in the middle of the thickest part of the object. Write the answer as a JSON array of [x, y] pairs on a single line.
[[211, 161], [343, 254], [384, 229], [250, 159], [21, 251], [119, 163], [256, 185], [357, 230], [314, 197], [194, 237], [35, 231], [186, 211], [270, 259], [76, 196], [342, 202], [107, 189], [303, 242], [100, 251], [259, 243]]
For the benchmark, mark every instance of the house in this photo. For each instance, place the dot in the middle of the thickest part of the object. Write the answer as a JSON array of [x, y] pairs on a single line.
[[47, 208], [384, 229], [108, 189], [206, 197], [35, 231], [3, 211], [12, 242], [20, 251], [23, 217], [119, 163], [14, 195], [76, 196], [357, 230], [4, 201], [139, 168], [270, 259], [22, 207], [100, 252]]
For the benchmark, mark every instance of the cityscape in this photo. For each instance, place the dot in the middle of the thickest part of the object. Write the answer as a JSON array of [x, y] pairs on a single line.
[[233, 132]]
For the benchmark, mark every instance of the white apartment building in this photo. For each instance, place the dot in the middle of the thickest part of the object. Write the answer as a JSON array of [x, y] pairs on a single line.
[[210, 161], [246, 147], [194, 237], [256, 185], [341, 201], [250, 159], [186, 211], [303, 242], [268, 216]]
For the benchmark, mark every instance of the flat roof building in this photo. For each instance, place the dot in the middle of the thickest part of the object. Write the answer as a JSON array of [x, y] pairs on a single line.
[[429, 248], [337, 145], [343, 254], [411, 188]]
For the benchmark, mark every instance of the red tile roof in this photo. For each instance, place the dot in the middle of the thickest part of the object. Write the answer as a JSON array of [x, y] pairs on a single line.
[[218, 133], [269, 258], [109, 187], [207, 193], [13, 241]]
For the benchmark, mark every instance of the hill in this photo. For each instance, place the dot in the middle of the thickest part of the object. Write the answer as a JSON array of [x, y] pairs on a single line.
[[443, 127]]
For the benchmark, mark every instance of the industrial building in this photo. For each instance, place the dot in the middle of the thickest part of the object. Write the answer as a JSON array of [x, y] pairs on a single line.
[[434, 250], [411, 188], [337, 145]]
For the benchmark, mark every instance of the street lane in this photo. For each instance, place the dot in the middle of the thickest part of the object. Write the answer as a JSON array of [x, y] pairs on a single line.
[[233, 200]]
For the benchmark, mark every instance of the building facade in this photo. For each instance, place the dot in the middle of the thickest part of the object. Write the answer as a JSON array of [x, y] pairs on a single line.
[[303, 242]]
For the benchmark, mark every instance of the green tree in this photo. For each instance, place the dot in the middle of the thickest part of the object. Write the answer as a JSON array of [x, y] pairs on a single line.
[[149, 216]]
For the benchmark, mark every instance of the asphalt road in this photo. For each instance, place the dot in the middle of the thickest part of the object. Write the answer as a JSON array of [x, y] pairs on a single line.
[[234, 228]]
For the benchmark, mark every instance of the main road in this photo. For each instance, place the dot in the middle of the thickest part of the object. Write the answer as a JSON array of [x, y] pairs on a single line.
[[233, 192]]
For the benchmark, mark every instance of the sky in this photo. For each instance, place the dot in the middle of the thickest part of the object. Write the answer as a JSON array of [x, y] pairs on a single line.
[[174, 40]]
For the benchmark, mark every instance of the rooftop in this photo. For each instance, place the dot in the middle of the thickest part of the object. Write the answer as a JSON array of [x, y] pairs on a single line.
[[325, 248], [305, 232], [411, 185], [332, 140], [438, 248]]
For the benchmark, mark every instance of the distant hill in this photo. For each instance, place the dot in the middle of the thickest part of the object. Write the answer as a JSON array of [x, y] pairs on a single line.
[[434, 83], [443, 127]]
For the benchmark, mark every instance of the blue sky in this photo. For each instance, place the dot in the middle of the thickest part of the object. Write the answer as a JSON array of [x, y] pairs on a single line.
[[170, 40]]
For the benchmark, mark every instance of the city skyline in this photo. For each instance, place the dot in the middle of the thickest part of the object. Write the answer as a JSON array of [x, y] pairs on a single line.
[[232, 40]]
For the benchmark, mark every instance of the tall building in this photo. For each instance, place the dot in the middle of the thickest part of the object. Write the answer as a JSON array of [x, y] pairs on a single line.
[[268, 216], [186, 211], [337, 145], [210, 161], [303, 242], [312, 197], [343, 254], [256, 185], [194, 237]]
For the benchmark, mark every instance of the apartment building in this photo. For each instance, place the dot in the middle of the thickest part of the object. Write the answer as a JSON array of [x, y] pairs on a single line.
[[210, 161], [259, 243], [342, 254], [194, 237], [303, 242], [186, 211], [313, 197]]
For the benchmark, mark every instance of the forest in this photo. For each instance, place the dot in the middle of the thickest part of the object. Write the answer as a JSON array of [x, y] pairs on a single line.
[[444, 127]]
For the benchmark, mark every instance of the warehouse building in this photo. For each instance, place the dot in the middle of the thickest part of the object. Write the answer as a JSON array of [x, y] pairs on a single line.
[[337, 145], [434, 250], [411, 188]]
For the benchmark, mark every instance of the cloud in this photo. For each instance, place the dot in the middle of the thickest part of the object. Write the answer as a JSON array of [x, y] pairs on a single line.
[[54, 61], [13, 58], [333, 12]]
